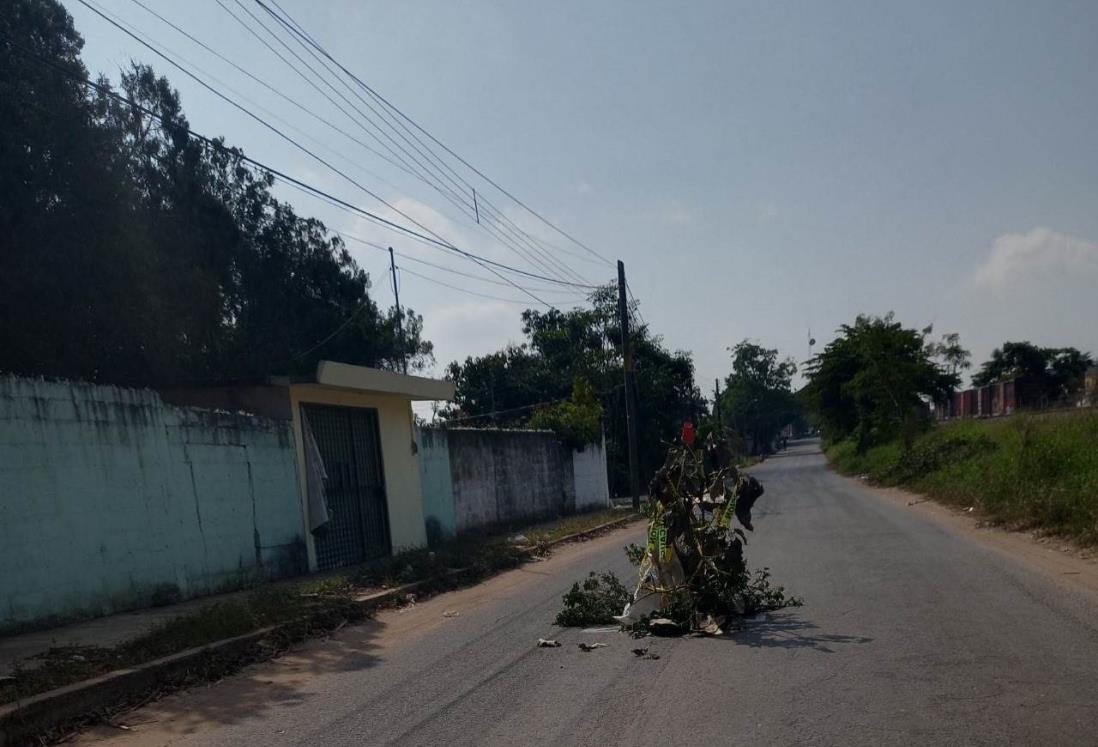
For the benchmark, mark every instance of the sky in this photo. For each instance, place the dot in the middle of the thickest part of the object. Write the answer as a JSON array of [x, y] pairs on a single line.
[[762, 169]]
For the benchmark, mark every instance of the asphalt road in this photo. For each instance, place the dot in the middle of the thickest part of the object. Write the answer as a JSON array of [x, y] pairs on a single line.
[[912, 634]]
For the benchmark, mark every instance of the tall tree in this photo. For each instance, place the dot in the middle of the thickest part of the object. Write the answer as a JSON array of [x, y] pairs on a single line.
[[132, 253], [563, 348], [873, 380], [1058, 371], [758, 400], [948, 352]]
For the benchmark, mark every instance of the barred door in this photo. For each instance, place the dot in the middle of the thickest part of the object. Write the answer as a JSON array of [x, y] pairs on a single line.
[[349, 442]]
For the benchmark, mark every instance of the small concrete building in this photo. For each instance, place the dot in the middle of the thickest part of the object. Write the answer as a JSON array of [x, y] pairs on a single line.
[[357, 466], [114, 499]]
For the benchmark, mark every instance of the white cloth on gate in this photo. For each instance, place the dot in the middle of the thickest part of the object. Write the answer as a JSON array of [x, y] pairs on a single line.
[[315, 475]]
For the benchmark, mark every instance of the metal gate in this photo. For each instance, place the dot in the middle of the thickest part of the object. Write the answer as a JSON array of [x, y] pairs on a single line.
[[350, 445]]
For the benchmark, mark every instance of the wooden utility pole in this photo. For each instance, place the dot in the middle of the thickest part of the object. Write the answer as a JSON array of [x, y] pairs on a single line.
[[717, 403], [630, 389], [400, 314]]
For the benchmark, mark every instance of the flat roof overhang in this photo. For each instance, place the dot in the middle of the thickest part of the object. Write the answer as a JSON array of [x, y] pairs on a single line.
[[362, 378]]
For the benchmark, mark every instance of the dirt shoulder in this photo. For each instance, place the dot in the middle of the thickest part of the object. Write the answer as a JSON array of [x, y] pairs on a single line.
[[1060, 559]]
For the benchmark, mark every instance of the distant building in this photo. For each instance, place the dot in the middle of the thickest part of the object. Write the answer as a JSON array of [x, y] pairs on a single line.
[[994, 400], [1090, 388]]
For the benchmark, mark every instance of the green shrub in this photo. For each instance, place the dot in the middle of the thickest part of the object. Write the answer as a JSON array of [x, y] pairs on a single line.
[[594, 602], [931, 454]]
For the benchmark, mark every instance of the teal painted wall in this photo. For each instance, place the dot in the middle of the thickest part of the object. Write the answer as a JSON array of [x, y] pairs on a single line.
[[436, 483], [111, 500]]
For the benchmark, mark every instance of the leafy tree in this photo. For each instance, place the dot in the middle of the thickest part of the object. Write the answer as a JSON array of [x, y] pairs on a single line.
[[948, 352], [758, 400], [1059, 371], [871, 383], [562, 347], [501, 388], [134, 254], [577, 421]]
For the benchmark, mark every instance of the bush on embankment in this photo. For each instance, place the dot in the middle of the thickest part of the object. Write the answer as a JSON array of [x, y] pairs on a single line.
[[1027, 471]]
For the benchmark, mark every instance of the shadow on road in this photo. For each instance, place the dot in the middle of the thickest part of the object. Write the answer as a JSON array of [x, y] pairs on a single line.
[[785, 630], [252, 693]]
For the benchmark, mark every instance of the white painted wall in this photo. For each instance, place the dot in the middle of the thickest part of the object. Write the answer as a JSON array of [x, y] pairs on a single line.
[[591, 479]]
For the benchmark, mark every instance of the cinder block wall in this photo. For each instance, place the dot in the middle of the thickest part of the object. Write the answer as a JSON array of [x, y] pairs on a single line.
[[111, 500]]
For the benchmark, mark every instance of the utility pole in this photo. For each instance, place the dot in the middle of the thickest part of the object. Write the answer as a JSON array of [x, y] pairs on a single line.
[[630, 389], [717, 403], [400, 315]]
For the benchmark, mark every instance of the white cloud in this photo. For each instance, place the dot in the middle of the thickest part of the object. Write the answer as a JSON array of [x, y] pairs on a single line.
[[468, 328], [1042, 254]]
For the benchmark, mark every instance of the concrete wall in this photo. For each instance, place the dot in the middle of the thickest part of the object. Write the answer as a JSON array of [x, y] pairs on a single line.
[[257, 399], [479, 477], [112, 500], [437, 483], [398, 456], [590, 477], [474, 477]]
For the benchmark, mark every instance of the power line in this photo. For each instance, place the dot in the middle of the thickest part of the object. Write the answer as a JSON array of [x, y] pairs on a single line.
[[352, 76], [209, 142], [454, 193], [465, 290], [505, 223], [245, 110], [502, 412], [400, 162], [449, 194], [636, 304], [289, 99], [451, 270], [478, 259], [294, 102], [165, 51], [418, 145], [346, 322], [290, 140]]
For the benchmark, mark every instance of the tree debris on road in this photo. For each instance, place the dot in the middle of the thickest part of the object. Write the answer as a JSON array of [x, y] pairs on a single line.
[[693, 576]]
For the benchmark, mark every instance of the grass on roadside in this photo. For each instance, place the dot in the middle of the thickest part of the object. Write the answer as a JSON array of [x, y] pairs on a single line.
[[543, 534], [1029, 471], [318, 604]]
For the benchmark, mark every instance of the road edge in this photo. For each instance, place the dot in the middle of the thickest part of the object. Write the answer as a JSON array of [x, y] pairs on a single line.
[[1058, 558], [80, 703]]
